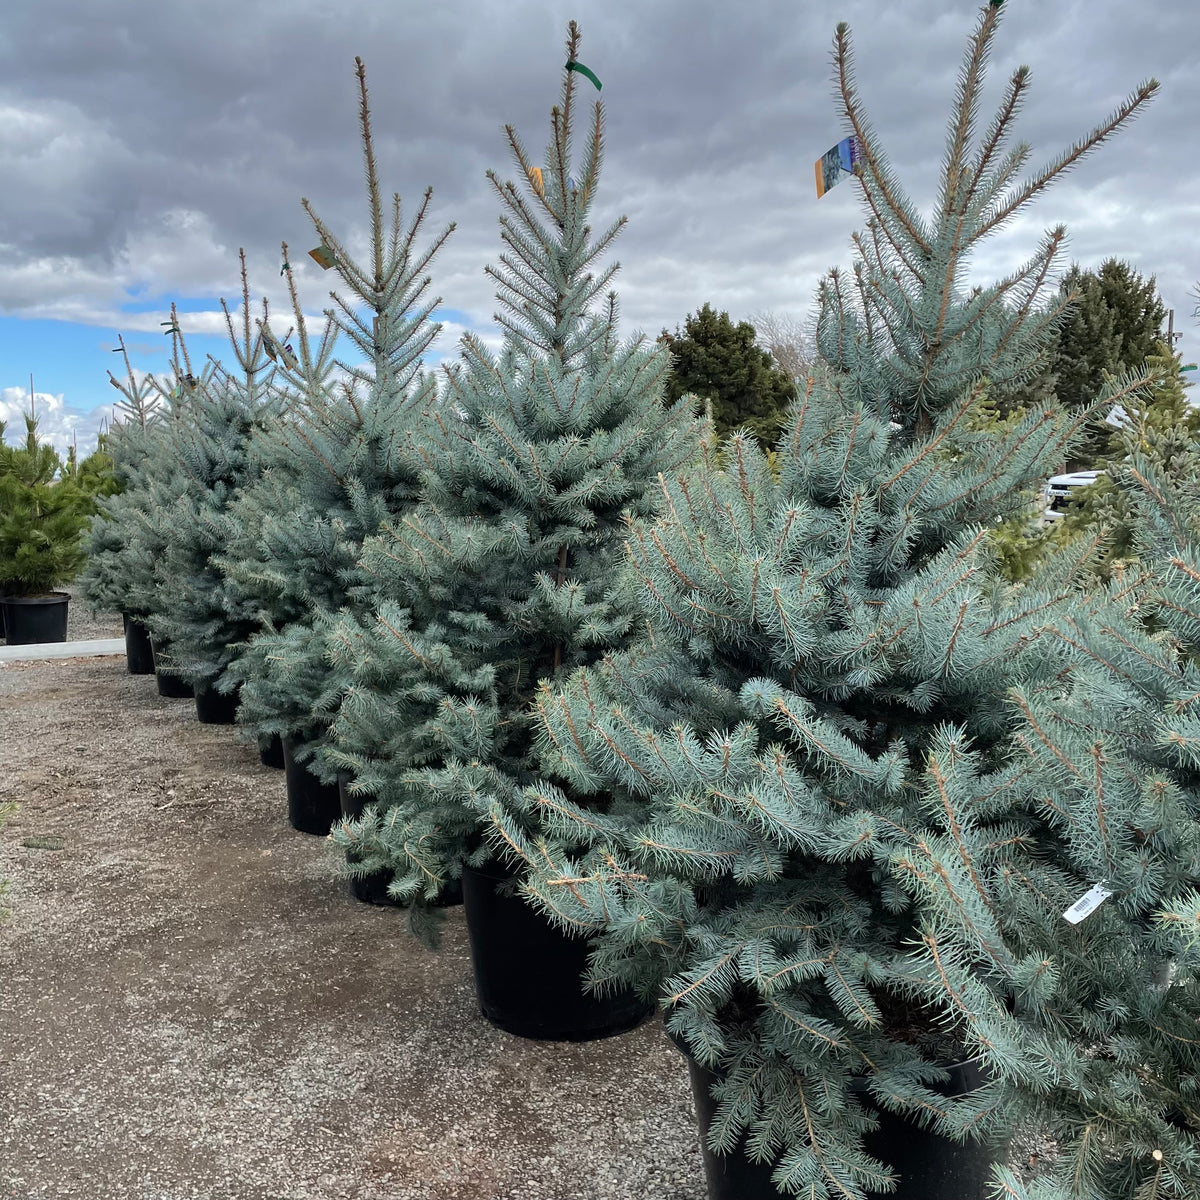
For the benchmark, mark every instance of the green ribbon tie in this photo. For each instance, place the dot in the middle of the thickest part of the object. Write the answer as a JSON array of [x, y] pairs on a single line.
[[578, 66]]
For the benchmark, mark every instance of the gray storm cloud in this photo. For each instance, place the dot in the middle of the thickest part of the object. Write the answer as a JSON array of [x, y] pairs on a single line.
[[142, 143]]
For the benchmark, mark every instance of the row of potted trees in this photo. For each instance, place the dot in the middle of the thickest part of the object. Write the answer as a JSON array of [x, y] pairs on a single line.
[[907, 856]]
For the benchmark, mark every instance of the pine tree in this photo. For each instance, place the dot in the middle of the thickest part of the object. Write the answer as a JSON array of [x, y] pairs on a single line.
[[43, 514], [95, 475], [722, 363], [806, 756], [1112, 327], [333, 467], [1112, 320], [504, 573], [130, 547]]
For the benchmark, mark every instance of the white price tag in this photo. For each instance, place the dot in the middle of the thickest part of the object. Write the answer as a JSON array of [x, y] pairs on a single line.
[[1087, 904]]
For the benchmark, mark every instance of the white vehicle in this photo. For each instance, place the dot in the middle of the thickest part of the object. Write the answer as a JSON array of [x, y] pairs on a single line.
[[1057, 493]]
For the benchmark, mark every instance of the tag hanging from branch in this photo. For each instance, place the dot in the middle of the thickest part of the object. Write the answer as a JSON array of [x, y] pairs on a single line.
[[535, 177], [1087, 903], [585, 71], [323, 257], [836, 163], [287, 266]]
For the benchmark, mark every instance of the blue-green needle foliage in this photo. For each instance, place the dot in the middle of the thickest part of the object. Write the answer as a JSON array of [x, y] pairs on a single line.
[[505, 573], [816, 737], [207, 449], [117, 556], [333, 468], [1106, 1052], [129, 536]]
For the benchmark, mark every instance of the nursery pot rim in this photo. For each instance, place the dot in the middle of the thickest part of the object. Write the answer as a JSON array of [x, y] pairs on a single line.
[[35, 597]]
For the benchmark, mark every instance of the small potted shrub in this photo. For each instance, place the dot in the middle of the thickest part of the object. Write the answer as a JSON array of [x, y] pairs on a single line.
[[42, 519]]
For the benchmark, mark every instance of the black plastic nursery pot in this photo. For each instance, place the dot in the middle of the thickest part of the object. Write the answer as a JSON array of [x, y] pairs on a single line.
[[169, 684], [216, 708], [373, 888], [172, 686], [313, 806], [139, 654], [929, 1167], [34, 620], [529, 975], [270, 752]]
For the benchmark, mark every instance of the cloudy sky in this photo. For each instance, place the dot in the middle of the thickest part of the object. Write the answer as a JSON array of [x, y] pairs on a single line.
[[142, 142]]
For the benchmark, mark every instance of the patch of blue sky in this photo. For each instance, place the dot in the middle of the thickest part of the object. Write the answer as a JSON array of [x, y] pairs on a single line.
[[70, 361]]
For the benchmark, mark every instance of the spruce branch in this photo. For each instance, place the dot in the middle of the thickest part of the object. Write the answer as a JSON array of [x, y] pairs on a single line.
[[956, 179], [1129, 110], [843, 57]]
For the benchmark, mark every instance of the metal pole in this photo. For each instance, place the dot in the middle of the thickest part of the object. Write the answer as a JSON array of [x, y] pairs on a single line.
[[1171, 334]]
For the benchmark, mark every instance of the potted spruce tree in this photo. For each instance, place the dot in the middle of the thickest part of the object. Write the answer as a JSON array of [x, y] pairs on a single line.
[[327, 472], [43, 514], [796, 813], [209, 463], [111, 544], [156, 429], [504, 574]]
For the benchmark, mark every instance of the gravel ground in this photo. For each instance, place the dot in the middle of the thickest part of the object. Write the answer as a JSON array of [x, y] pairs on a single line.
[[190, 1006], [84, 625]]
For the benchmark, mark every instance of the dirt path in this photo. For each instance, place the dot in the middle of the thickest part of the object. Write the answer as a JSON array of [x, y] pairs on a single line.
[[191, 1007]]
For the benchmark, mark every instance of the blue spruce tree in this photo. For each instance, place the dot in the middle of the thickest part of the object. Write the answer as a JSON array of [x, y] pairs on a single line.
[[127, 535], [778, 810], [115, 553], [505, 573], [208, 463], [332, 467], [1102, 805]]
